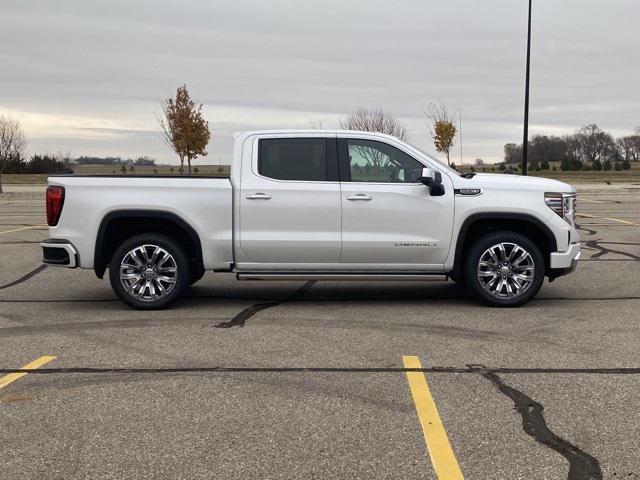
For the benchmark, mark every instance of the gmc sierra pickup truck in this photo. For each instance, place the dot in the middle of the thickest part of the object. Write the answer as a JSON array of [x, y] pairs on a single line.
[[316, 204]]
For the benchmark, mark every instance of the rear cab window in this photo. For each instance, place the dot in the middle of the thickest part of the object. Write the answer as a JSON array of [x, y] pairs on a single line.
[[296, 159]]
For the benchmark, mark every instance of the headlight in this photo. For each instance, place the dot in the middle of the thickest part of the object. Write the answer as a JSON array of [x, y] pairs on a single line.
[[564, 204]]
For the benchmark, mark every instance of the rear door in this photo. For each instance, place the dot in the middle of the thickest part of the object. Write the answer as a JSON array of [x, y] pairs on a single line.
[[290, 207], [389, 219]]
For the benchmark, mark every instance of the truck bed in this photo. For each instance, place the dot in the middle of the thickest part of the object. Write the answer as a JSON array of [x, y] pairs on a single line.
[[205, 203]]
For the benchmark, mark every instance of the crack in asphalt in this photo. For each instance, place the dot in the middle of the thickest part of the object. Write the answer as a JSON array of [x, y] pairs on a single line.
[[589, 231], [582, 466], [24, 278], [240, 319], [469, 369], [271, 303], [602, 250]]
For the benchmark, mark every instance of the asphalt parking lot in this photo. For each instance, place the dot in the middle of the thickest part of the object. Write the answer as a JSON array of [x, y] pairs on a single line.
[[307, 380]]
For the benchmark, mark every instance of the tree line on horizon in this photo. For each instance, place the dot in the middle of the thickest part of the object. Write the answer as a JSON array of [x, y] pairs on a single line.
[[61, 163], [184, 128], [589, 148]]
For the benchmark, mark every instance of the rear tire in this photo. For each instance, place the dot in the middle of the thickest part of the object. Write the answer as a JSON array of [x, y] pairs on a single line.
[[149, 271], [504, 269]]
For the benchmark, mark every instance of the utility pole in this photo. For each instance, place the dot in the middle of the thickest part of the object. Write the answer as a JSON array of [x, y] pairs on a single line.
[[525, 135], [460, 125]]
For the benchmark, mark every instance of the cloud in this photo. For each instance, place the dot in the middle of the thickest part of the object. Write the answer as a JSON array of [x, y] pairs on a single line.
[[90, 74]]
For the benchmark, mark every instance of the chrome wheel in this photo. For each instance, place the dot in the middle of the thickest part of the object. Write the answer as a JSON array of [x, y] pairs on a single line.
[[506, 270], [148, 273]]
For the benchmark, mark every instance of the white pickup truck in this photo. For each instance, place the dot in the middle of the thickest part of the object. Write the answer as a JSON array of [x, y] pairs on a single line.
[[316, 204]]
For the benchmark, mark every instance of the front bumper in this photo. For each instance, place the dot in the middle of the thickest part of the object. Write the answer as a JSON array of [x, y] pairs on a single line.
[[59, 253], [563, 263]]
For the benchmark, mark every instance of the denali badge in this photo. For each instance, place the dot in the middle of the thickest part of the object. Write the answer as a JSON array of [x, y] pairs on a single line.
[[415, 244]]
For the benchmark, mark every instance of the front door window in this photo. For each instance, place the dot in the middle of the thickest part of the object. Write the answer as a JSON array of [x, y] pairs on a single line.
[[373, 161]]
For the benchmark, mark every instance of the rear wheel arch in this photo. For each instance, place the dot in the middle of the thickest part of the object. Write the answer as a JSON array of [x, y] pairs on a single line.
[[120, 225], [477, 225]]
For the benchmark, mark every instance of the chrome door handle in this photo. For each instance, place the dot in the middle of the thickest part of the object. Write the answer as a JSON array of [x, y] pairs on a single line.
[[360, 196], [258, 196]]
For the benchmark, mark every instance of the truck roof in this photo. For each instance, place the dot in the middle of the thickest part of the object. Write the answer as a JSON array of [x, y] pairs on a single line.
[[307, 131]]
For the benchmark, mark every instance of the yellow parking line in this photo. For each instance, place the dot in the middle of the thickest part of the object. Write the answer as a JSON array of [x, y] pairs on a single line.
[[613, 219], [37, 363], [32, 227], [590, 201], [619, 220], [442, 457]]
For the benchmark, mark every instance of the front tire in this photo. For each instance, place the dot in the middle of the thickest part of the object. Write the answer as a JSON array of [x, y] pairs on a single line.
[[149, 271], [504, 269]]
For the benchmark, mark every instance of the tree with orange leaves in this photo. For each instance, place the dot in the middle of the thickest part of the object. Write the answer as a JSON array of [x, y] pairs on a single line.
[[184, 128], [442, 127]]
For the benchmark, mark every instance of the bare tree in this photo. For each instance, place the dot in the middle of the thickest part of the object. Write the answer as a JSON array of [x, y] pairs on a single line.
[[629, 147], [366, 120], [12, 142], [442, 127], [379, 121], [313, 124], [479, 162], [183, 127], [593, 142]]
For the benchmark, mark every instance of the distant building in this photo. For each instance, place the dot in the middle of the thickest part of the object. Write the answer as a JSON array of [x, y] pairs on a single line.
[[512, 153]]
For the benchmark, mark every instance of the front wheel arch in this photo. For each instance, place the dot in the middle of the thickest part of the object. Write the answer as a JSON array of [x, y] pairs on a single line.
[[480, 224]]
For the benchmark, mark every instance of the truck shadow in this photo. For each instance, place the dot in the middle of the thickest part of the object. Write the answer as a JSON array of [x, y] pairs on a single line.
[[330, 292]]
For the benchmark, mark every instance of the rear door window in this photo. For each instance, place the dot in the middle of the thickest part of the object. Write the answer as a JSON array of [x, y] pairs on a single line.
[[302, 159]]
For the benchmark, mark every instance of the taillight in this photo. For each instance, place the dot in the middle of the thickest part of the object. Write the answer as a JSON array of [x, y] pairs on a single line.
[[55, 200]]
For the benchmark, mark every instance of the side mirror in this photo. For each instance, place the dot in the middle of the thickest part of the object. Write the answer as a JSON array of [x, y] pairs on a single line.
[[432, 179], [428, 176]]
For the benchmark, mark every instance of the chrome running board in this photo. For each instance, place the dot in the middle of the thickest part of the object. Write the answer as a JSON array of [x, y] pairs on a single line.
[[348, 276]]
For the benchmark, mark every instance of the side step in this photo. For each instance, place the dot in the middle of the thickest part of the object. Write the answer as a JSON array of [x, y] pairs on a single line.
[[349, 276]]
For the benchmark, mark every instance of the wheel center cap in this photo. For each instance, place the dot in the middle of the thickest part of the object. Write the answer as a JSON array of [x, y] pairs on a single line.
[[505, 270]]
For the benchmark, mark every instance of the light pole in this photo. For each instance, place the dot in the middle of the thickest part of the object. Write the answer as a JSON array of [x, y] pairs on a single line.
[[525, 135], [460, 125]]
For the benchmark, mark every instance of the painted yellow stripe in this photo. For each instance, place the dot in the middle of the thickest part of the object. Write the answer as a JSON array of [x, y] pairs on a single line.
[[626, 222], [32, 227], [590, 201], [613, 219], [37, 363], [442, 457]]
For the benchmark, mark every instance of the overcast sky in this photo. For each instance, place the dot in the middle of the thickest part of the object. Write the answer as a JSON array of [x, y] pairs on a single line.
[[87, 76]]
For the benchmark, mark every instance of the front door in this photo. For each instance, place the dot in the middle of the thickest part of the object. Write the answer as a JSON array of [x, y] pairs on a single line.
[[389, 219]]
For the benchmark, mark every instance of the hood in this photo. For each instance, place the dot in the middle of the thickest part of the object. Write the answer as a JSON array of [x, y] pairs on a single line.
[[515, 182]]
